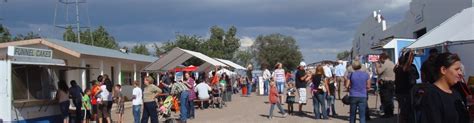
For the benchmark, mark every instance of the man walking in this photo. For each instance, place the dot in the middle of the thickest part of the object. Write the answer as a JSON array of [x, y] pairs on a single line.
[[387, 79]]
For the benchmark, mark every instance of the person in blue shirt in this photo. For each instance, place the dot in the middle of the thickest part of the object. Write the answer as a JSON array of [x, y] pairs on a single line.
[[75, 93]]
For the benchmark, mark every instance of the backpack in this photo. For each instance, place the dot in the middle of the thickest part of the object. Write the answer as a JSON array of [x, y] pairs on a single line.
[[416, 95], [109, 85]]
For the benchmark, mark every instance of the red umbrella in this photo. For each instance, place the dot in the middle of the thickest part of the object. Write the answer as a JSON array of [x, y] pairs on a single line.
[[190, 68]]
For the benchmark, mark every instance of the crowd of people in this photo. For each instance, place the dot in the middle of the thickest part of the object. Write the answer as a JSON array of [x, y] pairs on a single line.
[[441, 96], [151, 100]]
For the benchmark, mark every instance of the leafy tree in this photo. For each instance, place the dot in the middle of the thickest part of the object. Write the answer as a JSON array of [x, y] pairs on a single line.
[[158, 50], [343, 55], [140, 49], [103, 39], [243, 57], [5, 34], [86, 37], [29, 35], [69, 35], [273, 48]]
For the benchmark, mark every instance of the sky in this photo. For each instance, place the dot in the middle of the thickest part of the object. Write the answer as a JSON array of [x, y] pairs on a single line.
[[322, 28]]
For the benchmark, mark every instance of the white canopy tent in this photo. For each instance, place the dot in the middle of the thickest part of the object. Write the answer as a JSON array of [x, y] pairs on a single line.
[[456, 34], [457, 29], [231, 64], [177, 56]]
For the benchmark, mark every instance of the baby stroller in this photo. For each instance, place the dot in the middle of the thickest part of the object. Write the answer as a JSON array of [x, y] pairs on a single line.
[[217, 96], [164, 110]]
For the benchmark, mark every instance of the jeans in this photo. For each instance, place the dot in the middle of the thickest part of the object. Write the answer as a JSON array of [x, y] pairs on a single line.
[[358, 103], [331, 101], [136, 113], [191, 109], [386, 95], [406, 114], [273, 107], [249, 90], [265, 87], [319, 105], [78, 104], [183, 106], [149, 111]]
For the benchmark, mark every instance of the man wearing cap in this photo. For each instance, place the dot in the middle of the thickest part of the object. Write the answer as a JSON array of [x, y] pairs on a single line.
[[301, 78]]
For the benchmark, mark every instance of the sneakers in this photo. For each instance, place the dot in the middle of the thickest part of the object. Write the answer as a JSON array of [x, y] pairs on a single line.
[[270, 117], [285, 115]]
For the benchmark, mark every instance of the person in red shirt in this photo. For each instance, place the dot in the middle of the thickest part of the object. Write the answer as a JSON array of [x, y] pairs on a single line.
[[94, 91], [274, 100]]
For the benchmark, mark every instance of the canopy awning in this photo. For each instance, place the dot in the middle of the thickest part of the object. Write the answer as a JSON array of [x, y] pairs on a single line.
[[232, 64], [36, 61], [177, 56], [457, 29]]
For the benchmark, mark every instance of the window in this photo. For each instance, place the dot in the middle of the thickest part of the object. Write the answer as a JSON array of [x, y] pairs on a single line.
[[419, 33], [32, 82], [127, 78]]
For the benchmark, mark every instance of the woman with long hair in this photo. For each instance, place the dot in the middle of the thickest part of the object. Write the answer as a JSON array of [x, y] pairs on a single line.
[[62, 96], [441, 103], [319, 88]]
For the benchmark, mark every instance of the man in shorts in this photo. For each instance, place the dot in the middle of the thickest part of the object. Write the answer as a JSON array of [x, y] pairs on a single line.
[[301, 78]]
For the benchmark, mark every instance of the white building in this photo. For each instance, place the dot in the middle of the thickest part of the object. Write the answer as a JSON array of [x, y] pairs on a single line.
[[423, 16], [30, 70]]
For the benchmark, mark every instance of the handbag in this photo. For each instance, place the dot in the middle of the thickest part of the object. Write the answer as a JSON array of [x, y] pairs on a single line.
[[346, 100], [321, 86]]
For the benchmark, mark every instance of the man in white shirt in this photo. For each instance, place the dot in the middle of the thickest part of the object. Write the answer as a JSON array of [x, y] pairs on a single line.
[[137, 101], [339, 73], [203, 91], [327, 71], [266, 80]]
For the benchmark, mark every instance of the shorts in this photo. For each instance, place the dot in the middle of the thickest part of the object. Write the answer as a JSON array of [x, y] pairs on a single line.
[[86, 114], [64, 107], [280, 87], [103, 112], [302, 96]]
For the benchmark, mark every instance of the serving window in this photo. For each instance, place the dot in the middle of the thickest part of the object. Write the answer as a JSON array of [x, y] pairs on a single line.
[[33, 82]]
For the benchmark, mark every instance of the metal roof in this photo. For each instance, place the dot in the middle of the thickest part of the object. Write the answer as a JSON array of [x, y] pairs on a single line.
[[232, 64], [177, 56], [103, 52], [458, 28]]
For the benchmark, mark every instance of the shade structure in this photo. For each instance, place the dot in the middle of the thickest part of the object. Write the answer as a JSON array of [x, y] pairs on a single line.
[[177, 56], [457, 29], [231, 64]]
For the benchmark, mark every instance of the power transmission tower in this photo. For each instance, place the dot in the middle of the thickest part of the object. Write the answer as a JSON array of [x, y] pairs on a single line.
[[63, 24]]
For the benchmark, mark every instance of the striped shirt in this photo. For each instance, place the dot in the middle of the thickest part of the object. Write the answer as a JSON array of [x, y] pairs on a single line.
[[178, 87]]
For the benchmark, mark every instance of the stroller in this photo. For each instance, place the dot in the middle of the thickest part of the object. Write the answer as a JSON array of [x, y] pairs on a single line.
[[164, 110]]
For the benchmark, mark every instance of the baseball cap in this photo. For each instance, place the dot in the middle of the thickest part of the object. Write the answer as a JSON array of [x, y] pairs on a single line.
[[302, 64]]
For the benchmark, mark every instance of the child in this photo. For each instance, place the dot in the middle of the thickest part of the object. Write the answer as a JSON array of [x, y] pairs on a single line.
[[119, 99], [291, 96], [86, 106], [274, 100]]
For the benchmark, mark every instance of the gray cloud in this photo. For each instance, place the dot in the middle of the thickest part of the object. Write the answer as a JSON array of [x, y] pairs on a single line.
[[321, 27]]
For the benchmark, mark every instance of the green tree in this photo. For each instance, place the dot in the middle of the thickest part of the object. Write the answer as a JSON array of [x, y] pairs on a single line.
[[158, 50], [222, 44], [29, 35], [243, 57], [69, 35], [103, 39], [343, 55], [140, 49], [86, 37], [273, 48], [5, 34]]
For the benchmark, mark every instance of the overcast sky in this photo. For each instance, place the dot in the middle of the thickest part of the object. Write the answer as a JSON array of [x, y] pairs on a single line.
[[321, 27]]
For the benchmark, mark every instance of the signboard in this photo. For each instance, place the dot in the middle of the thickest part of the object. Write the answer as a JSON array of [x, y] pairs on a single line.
[[373, 58], [29, 52]]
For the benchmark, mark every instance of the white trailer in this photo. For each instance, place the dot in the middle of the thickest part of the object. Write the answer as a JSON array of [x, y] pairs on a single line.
[[28, 84]]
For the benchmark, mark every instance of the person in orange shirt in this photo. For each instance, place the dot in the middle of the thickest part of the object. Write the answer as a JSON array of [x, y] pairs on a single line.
[[274, 100], [94, 91]]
